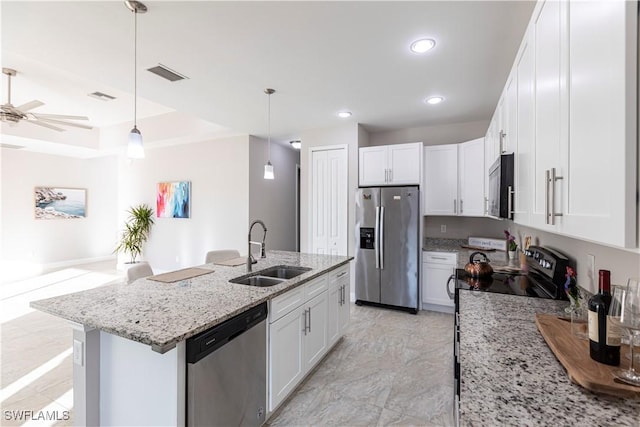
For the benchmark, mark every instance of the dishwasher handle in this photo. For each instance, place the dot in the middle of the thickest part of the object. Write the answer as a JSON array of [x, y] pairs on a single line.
[[205, 343]]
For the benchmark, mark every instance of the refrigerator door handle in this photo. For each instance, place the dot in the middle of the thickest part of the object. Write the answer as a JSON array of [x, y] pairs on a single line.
[[381, 240], [376, 237]]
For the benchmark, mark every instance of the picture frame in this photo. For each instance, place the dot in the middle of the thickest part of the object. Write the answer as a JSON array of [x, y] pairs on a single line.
[[60, 203], [173, 199]]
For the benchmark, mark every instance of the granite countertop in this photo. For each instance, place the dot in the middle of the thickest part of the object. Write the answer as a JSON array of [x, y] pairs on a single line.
[[509, 376], [163, 314], [496, 258]]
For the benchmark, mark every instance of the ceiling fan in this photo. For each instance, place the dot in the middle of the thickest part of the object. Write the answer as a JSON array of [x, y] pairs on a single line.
[[12, 115]]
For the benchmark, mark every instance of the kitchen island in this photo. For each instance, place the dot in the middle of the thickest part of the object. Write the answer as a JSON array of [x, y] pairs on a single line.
[[510, 377], [117, 376]]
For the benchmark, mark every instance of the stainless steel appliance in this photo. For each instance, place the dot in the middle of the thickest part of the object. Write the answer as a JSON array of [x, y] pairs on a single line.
[[501, 187], [227, 372], [388, 249]]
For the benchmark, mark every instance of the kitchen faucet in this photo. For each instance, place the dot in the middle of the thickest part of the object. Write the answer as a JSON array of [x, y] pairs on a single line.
[[250, 259]]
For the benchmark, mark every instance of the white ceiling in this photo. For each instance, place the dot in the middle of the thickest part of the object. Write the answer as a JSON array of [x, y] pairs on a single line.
[[320, 57]]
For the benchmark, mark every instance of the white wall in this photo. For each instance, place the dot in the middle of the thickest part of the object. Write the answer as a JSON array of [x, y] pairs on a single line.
[[273, 201], [432, 135], [43, 242], [339, 135], [219, 218]]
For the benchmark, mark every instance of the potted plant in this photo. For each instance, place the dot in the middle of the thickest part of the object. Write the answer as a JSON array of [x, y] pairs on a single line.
[[136, 231], [512, 246]]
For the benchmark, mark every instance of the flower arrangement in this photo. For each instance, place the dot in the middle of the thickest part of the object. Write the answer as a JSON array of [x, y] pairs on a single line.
[[571, 287], [511, 241]]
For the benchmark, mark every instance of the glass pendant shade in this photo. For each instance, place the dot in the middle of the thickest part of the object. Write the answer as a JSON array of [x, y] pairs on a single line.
[[268, 171], [135, 150]]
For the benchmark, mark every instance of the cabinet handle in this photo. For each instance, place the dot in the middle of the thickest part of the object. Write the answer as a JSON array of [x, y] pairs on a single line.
[[309, 319], [342, 274], [547, 175], [510, 202], [502, 135], [390, 175], [386, 175], [461, 206], [455, 206], [342, 292], [438, 257], [553, 180], [486, 205], [305, 322]]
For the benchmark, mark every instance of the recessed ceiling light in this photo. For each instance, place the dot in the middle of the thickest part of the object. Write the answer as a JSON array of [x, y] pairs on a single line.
[[344, 114], [296, 144], [434, 100], [422, 45]]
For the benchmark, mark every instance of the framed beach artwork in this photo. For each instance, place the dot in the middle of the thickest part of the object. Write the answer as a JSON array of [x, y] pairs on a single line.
[[60, 203], [173, 199]]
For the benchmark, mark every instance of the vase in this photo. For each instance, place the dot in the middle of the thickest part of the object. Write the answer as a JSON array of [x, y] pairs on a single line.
[[512, 254], [579, 324]]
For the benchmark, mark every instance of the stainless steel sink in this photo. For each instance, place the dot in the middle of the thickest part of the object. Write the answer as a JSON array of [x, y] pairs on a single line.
[[270, 276]]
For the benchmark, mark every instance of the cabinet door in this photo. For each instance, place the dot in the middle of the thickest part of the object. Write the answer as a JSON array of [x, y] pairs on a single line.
[[548, 151], [373, 166], [441, 180], [286, 358], [471, 177], [599, 181], [333, 310], [510, 115], [404, 164], [525, 141], [434, 284], [315, 340]]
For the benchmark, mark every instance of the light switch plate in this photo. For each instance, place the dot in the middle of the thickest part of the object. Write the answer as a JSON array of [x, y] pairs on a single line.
[[78, 352]]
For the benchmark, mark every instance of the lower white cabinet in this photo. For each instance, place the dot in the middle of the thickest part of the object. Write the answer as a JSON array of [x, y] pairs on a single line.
[[437, 268], [304, 324]]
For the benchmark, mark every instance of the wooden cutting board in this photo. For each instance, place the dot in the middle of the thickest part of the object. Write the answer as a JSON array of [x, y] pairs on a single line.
[[175, 276], [234, 262], [573, 354]]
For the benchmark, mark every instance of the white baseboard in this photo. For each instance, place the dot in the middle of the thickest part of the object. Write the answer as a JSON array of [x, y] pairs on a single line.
[[79, 261]]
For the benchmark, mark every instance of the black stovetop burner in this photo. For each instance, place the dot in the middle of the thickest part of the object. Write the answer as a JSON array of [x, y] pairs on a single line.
[[545, 277]]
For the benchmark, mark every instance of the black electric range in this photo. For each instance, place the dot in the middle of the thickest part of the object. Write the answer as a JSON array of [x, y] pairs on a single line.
[[544, 277]]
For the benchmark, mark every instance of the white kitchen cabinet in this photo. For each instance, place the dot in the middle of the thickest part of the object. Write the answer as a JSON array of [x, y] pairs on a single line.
[[523, 150], [398, 164], [441, 179], [339, 312], [315, 333], [437, 268], [286, 357], [454, 179], [510, 116]]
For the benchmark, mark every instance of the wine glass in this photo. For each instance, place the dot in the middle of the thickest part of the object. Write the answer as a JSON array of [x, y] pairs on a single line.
[[629, 302]]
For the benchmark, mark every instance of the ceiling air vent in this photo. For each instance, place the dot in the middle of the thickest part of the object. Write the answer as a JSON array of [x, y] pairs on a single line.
[[166, 73], [102, 96]]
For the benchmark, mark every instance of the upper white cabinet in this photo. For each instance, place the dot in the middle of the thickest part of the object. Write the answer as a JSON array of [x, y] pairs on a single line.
[[454, 179], [572, 121], [397, 164]]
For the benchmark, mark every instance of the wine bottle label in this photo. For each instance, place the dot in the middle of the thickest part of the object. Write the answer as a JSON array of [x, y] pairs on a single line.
[[613, 331], [593, 326]]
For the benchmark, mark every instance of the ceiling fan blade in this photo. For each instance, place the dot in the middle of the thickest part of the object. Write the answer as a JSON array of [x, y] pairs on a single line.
[[35, 122], [60, 122], [30, 105], [59, 116]]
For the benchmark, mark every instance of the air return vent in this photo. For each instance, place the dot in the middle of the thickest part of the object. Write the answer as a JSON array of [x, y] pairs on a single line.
[[102, 96], [166, 73]]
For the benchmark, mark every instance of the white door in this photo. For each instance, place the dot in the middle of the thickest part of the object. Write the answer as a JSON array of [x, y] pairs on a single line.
[[328, 206], [441, 180], [372, 165], [315, 340], [525, 141], [404, 164], [549, 89], [471, 177], [435, 284], [286, 359]]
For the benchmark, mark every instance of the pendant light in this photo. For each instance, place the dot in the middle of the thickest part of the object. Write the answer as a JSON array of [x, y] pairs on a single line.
[[268, 168], [135, 150]]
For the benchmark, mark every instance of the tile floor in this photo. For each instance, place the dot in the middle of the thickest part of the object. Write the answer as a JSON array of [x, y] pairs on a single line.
[[391, 368]]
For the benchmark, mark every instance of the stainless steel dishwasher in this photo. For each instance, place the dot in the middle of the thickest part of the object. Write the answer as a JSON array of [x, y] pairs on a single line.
[[227, 372]]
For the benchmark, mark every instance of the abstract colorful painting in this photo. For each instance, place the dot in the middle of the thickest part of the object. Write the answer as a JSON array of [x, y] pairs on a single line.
[[173, 199], [60, 203]]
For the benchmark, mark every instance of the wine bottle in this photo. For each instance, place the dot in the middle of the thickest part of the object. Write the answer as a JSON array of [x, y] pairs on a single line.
[[604, 342]]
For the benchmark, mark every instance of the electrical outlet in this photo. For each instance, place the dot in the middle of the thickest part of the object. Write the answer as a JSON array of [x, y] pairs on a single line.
[[78, 352], [443, 228], [591, 270]]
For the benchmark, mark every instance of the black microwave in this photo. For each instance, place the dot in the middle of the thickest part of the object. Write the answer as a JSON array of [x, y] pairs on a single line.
[[501, 187]]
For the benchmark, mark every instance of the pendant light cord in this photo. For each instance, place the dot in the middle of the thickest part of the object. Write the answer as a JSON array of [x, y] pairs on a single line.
[[135, 68], [269, 131]]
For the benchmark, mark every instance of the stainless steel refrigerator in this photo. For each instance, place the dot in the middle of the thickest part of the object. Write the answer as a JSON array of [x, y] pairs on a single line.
[[388, 251]]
